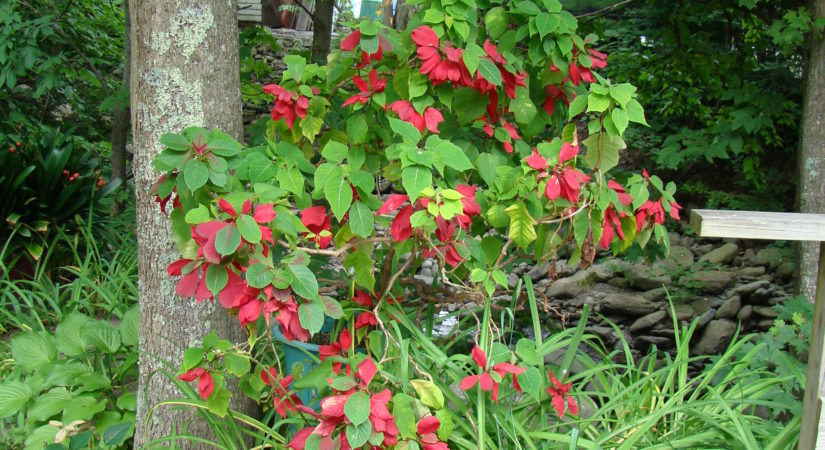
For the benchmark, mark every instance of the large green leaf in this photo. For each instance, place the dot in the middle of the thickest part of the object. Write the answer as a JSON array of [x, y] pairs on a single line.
[[195, 174], [602, 151], [449, 154], [69, 334], [522, 225], [13, 396], [489, 71], [415, 179], [358, 435], [249, 229], [311, 316], [428, 393], [49, 404], [361, 220], [227, 240], [357, 407], [129, 327], [102, 335], [339, 195], [31, 350], [303, 282]]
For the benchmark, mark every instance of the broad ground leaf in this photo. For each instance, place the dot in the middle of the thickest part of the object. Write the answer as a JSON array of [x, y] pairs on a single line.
[[530, 382], [32, 350], [13, 396], [69, 334]]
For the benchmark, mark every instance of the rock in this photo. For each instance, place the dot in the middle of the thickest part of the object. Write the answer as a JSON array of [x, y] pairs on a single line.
[[603, 271], [771, 257], [619, 283], [679, 257], [744, 291], [700, 306], [715, 338], [702, 249], [572, 286], [785, 270], [729, 308], [539, 272], [744, 313], [645, 342], [765, 324], [648, 321], [607, 334], [675, 238], [765, 311], [655, 295], [721, 255], [752, 271], [646, 277], [705, 318], [627, 304], [683, 312], [512, 280], [764, 294], [710, 281]]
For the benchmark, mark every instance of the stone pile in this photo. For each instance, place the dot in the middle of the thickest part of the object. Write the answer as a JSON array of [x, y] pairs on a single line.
[[722, 283]]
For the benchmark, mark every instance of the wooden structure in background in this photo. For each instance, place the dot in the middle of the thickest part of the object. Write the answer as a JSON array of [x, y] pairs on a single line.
[[787, 227]]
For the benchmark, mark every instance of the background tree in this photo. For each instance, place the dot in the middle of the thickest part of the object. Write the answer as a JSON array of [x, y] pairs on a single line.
[[120, 115], [322, 30], [185, 72], [811, 158]]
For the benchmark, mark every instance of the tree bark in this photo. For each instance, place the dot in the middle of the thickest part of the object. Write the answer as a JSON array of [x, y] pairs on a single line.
[[811, 157], [120, 117], [321, 30], [185, 72]]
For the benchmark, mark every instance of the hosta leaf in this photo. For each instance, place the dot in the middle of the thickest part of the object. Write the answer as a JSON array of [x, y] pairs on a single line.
[[13, 396], [70, 336], [32, 350]]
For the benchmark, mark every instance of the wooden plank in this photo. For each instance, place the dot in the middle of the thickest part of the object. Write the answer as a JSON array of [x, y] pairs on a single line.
[[812, 434], [758, 225]]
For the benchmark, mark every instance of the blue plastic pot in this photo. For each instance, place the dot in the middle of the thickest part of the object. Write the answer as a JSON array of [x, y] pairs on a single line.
[[300, 358]]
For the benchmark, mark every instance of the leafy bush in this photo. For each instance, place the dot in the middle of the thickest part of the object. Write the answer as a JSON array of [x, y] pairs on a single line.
[[72, 387], [45, 185]]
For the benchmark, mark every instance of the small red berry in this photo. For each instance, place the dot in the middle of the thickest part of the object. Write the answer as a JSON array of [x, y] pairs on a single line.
[[65, 173], [18, 144]]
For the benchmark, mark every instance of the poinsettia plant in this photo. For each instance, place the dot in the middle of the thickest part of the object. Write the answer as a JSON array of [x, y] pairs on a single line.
[[481, 134]]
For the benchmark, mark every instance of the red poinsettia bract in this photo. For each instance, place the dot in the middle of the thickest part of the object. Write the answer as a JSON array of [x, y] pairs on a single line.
[[352, 40], [284, 400], [288, 105], [563, 181], [449, 68], [427, 428], [366, 91], [406, 112], [561, 395], [484, 379], [205, 382], [318, 222]]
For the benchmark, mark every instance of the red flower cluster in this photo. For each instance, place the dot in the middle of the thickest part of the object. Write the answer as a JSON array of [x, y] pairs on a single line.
[[406, 112], [318, 222], [578, 73], [205, 382], [561, 395], [511, 130], [439, 70], [652, 211], [427, 428], [288, 105], [612, 218], [333, 419], [365, 318], [352, 40], [363, 96], [564, 181], [401, 227], [336, 348], [484, 379], [284, 400]]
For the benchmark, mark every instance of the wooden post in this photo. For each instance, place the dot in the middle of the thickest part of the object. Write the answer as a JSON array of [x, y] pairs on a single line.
[[812, 434], [788, 227]]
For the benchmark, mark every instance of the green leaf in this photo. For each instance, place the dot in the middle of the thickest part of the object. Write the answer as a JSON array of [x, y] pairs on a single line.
[[619, 119], [259, 275], [428, 393], [192, 357], [415, 179], [450, 154], [468, 105], [577, 106], [334, 151], [290, 179], [361, 220], [127, 401], [129, 324], [13, 396], [597, 103], [357, 129], [311, 126], [362, 264], [523, 108], [530, 382], [496, 22], [546, 24], [358, 435], [31, 350], [227, 240], [622, 93], [402, 410], [303, 282], [249, 229], [522, 225], [176, 142], [70, 336], [116, 434], [195, 174], [295, 66], [635, 112], [84, 407], [218, 402], [408, 132], [602, 151], [198, 215], [339, 195], [216, 278], [489, 71], [102, 335], [357, 407], [236, 364], [49, 405]]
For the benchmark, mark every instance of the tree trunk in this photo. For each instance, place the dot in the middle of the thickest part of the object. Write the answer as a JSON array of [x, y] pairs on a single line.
[[811, 162], [185, 72], [321, 30], [120, 117]]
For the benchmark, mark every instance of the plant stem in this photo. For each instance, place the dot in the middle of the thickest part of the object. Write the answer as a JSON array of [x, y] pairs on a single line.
[[482, 405]]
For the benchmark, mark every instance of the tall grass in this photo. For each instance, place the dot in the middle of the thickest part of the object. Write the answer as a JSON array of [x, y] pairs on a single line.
[[93, 270]]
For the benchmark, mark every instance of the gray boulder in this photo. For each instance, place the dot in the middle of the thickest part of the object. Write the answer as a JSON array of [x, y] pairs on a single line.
[[627, 304], [572, 286], [729, 308], [648, 321], [721, 255], [710, 281], [715, 338]]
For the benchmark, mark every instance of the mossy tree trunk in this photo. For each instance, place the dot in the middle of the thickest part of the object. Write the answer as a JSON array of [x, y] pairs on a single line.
[[321, 30], [811, 162], [184, 72]]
